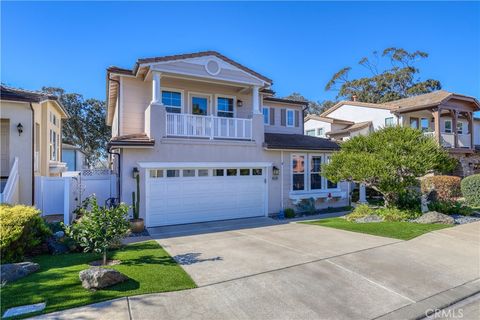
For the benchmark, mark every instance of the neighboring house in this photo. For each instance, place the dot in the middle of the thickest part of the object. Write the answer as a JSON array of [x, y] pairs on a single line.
[[73, 157], [31, 130], [437, 114], [211, 142]]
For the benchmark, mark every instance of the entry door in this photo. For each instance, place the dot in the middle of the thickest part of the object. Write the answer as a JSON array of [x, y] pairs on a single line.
[[5, 147], [200, 104]]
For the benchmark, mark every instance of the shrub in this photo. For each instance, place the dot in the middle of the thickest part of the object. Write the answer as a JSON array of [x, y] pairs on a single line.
[[100, 228], [450, 207], [471, 190], [307, 206], [360, 211], [409, 200], [396, 215], [21, 230], [446, 188], [289, 213]]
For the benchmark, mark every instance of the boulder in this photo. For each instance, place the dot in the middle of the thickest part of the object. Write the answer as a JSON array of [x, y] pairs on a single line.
[[14, 271], [98, 278], [435, 217], [59, 234], [369, 218]]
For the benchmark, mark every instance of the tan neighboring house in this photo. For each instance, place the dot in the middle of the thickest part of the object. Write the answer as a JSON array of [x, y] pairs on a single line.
[[210, 141], [31, 131], [446, 116]]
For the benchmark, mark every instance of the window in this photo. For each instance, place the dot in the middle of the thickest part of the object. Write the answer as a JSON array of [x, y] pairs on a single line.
[[448, 126], [298, 172], [172, 101], [225, 107], [257, 172], [459, 128], [330, 184], [320, 132], [218, 172], [199, 105], [203, 172], [189, 173], [266, 115], [231, 172], [53, 145], [315, 169], [310, 132], [425, 124], [290, 118], [173, 173], [244, 172], [156, 173], [389, 122], [414, 123]]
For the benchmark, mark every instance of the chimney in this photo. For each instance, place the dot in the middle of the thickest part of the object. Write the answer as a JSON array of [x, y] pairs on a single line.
[[354, 97]]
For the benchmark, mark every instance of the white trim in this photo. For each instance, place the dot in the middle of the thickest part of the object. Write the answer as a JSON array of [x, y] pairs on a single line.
[[182, 97], [175, 165], [286, 118], [309, 179], [199, 95], [120, 105], [208, 71], [305, 161], [306, 178], [219, 95]]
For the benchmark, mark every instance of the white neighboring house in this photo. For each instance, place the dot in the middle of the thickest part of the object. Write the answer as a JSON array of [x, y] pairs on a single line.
[[437, 114], [73, 157]]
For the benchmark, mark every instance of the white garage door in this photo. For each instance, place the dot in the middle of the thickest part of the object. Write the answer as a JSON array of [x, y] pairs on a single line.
[[188, 195]]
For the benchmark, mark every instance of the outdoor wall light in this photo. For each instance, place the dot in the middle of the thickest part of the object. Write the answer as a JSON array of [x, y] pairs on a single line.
[[135, 172], [20, 128], [239, 103], [275, 171]]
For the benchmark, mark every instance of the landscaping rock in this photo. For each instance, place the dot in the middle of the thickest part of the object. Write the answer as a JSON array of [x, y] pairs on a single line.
[[459, 219], [435, 217], [369, 218], [55, 247], [14, 271], [59, 234], [98, 278]]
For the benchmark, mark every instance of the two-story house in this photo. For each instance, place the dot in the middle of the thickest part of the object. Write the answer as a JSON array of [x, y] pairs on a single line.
[[31, 135], [446, 116], [211, 142]]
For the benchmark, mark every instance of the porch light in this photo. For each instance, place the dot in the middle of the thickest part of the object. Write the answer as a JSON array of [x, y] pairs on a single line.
[[20, 128], [275, 171], [239, 103], [135, 172]]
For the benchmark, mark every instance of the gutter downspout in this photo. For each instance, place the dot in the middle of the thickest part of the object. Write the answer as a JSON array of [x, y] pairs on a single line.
[[119, 171], [33, 154]]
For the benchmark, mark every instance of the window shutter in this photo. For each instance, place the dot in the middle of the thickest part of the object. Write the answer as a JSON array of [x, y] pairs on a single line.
[[297, 118], [272, 116], [283, 117]]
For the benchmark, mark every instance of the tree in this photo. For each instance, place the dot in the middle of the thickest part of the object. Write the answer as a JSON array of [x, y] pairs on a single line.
[[389, 161], [100, 228], [313, 107], [398, 79], [86, 126]]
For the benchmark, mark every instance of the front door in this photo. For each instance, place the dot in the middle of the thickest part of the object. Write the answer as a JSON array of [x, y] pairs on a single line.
[[200, 105]]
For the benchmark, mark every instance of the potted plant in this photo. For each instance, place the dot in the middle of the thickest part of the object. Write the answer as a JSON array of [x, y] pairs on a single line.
[[136, 224]]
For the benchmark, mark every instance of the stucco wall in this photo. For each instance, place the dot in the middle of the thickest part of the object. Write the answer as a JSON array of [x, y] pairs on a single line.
[[313, 124], [277, 127], [361, 114]]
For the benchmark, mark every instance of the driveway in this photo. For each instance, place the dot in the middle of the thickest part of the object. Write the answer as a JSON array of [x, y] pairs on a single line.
[[262, 269]]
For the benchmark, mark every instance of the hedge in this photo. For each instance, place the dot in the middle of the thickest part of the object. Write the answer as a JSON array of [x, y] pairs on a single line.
[[471, 190], [21, 229], [447, 188]]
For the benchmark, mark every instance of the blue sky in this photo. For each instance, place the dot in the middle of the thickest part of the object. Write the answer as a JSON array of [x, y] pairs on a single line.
[[299, 45]]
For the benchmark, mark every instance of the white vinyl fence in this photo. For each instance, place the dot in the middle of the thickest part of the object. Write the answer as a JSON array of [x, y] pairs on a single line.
[[61, 195]]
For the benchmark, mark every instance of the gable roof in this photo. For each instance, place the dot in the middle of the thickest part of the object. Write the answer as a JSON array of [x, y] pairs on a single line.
[[281, 141], [429, 99], [326, 119], [354, 127], [197, 55], [357, 104]]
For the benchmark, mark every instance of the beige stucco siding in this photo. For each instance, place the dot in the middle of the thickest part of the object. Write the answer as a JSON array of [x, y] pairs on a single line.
[[278, 127]]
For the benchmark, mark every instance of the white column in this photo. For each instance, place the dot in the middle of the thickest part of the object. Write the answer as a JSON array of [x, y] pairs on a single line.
[[363, 194], [256, 100], [156, 88]]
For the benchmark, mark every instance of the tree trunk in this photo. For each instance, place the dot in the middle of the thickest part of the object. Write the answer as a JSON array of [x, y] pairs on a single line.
[[390, 199], [104, 257]]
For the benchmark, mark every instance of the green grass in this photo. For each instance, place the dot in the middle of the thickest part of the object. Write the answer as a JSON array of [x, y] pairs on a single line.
[[148, 266], [397, 230]]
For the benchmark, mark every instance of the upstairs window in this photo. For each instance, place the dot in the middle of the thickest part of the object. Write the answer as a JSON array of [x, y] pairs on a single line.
[[225, 107], [389, 122], [448, 126], [425, 124], [320, 132], [290, 118], [266, 116], [459, 128], [172, 101], [310, 132]]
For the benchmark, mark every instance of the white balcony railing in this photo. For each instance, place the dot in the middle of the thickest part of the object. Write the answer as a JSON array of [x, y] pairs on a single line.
[[211, 127], [464, 141], [447, 140], [9, 194]]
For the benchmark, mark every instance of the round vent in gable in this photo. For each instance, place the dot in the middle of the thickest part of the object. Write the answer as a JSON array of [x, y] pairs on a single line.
[[212, 67]]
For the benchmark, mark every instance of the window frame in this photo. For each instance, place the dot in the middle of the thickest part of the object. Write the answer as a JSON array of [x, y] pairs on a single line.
[[307, 132], [392, 124], [322, 182], [445, 126], [320, 132], [192, 94], [307, 178], [305, 170], [459, 123], [182, 108], [234, 98], [293, 118], [267, 123]]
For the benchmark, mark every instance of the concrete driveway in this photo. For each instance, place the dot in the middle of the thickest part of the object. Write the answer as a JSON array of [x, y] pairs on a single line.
[[261, 269]]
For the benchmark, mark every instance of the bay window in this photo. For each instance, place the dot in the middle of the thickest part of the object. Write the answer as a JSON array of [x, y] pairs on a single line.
[[298, 172], [315, 170], [306, 170]]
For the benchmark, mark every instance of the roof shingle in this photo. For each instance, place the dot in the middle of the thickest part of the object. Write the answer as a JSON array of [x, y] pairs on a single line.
[[298, 142]]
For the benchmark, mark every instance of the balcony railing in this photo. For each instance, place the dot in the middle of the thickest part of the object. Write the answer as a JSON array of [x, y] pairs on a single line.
[[447, 140], [211, 127], [464, 141]]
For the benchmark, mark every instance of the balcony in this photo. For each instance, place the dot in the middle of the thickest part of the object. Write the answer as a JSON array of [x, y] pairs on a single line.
[[208, 127], [447, 140]]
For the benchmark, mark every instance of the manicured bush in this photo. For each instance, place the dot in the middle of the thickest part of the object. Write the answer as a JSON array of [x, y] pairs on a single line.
[[409, 200], [289, 213], [450, 207], [21, 230], [396, 215], [445, 188], [360, 211], [471, 190]]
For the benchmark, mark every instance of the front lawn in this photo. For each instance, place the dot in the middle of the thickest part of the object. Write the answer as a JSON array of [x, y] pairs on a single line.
[[148, 266], [397, 230]]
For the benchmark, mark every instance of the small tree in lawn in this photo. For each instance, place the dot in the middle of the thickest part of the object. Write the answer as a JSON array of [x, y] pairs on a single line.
[[100, 227], [389, 160]]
